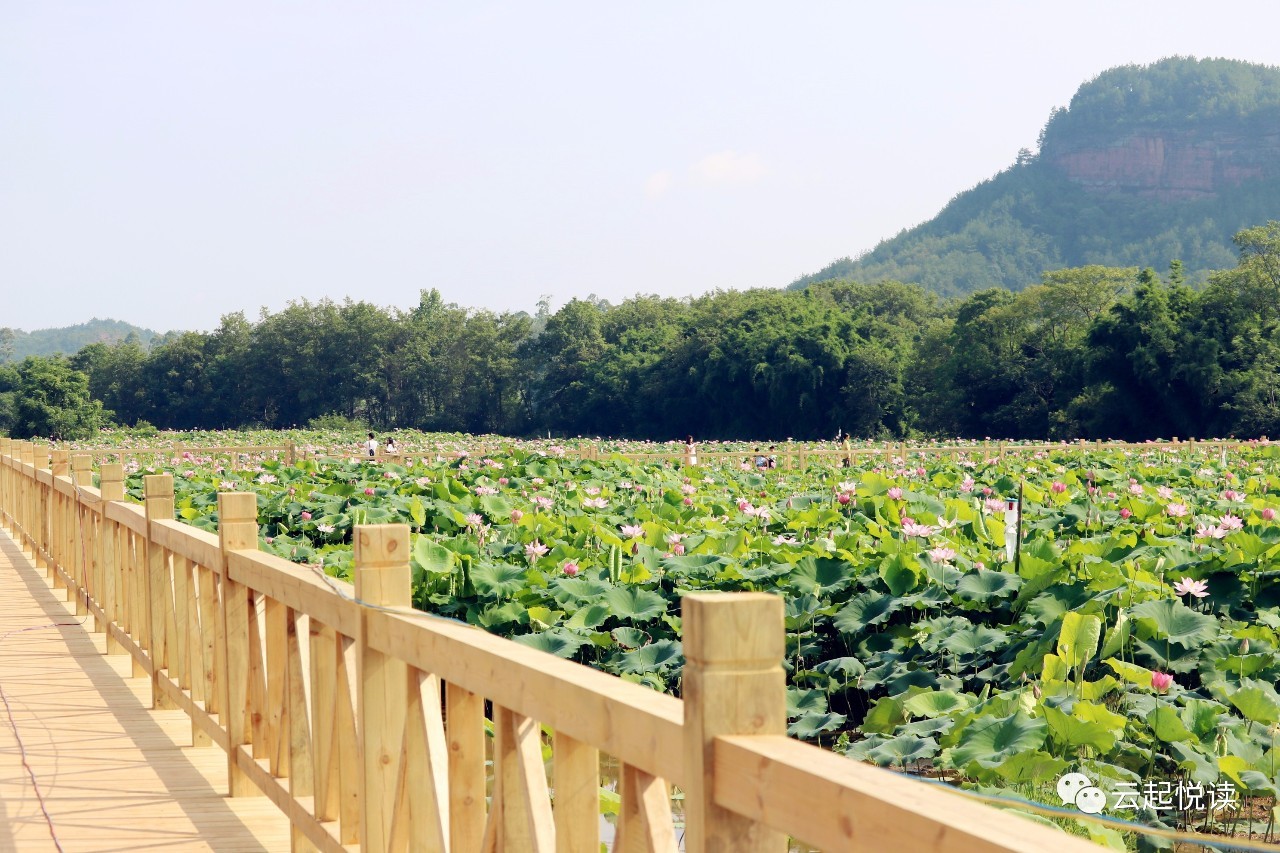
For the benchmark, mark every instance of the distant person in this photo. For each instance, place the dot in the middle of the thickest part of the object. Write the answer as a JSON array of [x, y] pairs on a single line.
[[391, 445], [371, 445], [772, 461], [759, 459], [690, 452]]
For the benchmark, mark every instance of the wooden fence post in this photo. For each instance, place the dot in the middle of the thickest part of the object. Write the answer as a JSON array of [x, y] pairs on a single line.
[[57, 522], [6, 500], [733, 685], [158, 494], [237, 531], [383, 580], [81, 565], [110, 489]]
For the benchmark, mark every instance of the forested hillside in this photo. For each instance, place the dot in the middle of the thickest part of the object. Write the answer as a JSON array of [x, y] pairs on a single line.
[[1147, 164], [16, 344], [1090, 351]]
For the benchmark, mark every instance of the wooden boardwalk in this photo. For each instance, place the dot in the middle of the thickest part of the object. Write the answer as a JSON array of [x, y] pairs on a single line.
[[113, 774]]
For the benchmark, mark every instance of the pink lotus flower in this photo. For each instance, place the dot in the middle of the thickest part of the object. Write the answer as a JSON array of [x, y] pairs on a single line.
[[1187, 586], [1161, 681], [1230, 522], [921, 530], [542, 502], [516, 515], [967, 485], [1058, 487], [1176, 510], [306, 516], [1229, 495], [843, 498], [502, 481], [688, 501], [535, 550], [986, 491], [1211, 530], [571, 569], [744, 505], [1135, 489], [1125, 513], [941, 554], [368, 490], [678, 549], [1164, 492], [632, 531], [895, 494], [474, 519], [780, 539], [1268, 514]]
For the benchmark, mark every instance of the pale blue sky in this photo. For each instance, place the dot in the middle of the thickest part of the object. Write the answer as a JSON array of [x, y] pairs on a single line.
[[167, 163]]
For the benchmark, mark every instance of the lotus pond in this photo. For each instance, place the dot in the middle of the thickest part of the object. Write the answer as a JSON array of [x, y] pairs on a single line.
[[1134, 636]]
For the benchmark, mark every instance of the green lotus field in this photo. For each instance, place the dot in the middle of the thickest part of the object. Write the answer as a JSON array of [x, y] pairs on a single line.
[[1132, 637]]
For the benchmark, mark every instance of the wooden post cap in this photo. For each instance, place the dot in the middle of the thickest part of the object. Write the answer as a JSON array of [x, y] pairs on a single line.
[[382, 565], [238, 521], [82, 469], [741, 629]]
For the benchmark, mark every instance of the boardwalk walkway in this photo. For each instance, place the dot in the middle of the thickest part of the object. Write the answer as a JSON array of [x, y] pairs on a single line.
[[113, 774]]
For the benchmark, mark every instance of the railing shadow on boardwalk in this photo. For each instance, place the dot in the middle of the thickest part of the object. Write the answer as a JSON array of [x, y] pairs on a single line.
[[91, 808], [367, 722]]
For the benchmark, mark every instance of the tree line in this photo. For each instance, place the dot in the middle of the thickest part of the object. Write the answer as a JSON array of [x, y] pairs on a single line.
[[1088, 352]]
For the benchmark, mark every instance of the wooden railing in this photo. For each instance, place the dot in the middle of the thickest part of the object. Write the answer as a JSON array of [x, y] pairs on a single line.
[[369, 723]]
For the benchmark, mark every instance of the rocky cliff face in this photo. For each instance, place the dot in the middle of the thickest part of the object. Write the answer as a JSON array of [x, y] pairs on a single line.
[[1171, 166]]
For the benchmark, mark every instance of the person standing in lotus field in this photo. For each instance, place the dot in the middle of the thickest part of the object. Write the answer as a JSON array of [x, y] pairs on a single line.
[[690, 452], [371, 446]]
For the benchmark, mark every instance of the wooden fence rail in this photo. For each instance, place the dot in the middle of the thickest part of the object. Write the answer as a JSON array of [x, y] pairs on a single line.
[[371, 724]]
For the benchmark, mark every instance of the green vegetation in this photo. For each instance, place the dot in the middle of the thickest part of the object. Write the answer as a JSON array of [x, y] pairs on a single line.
[[1131, 634], [16, 344], [1091, 352], [1039, 214]]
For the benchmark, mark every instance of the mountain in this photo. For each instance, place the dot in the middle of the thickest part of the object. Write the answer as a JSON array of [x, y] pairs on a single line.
[[1148, 164], [16, 344]]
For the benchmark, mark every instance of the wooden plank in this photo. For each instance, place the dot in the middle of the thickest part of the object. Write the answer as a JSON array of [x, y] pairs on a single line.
[[297, 587], [324, 699], [298, 716], [347, 734], [276, 701], [131, 516], [638, 725], [832, 803], [528, 825], [577, 794], [464, 716], [198, 546], [420, 820], [645, 822]]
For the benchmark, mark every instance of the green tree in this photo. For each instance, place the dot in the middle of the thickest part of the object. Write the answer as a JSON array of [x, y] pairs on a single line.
[[52, 401]]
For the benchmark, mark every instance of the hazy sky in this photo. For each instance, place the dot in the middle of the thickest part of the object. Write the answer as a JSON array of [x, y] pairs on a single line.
[[168, 163]]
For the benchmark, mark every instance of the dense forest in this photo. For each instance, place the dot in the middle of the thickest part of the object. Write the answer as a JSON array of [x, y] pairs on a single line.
[[1089, 351], [1167, 160]]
